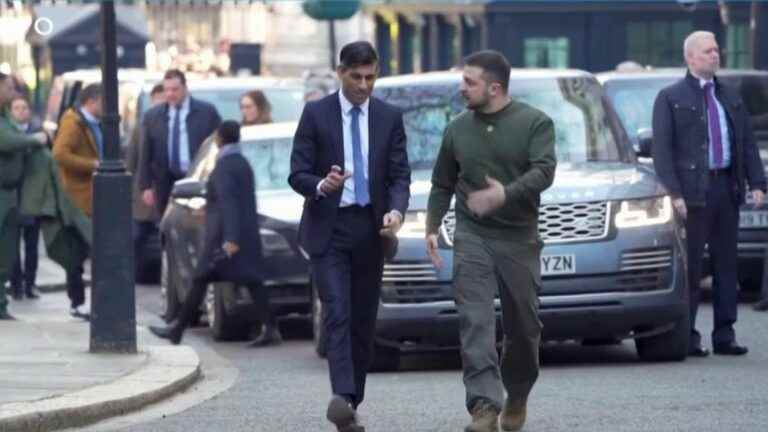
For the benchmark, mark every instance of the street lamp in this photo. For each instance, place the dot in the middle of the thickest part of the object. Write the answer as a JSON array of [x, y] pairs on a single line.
[[113, 299]]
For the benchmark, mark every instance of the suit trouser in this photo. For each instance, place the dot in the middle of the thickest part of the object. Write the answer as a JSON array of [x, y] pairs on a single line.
[[715, 224], [483, 267], [29, 231], [9, 249], [76, 286], [196, 295], [348, 280]]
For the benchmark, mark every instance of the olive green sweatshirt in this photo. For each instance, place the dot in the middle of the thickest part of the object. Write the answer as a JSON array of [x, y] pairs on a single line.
[[516, 146]]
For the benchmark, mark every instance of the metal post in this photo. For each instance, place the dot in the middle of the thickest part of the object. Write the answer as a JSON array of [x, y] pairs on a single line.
[[113, 299], [332, 42]]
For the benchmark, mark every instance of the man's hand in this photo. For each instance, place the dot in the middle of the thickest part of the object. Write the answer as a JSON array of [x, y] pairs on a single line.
[[485, 201], [148, 196], [230, 248], [41, 138], [432, 251], [334, 180], [392, 223], [679, 205], [758, 197]]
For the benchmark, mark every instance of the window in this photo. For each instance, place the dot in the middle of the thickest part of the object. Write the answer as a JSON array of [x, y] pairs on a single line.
[[738, 53], [657, 43], [546, 52]]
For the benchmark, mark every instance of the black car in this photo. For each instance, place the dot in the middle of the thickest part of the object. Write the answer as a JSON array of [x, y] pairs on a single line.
[[228, 308], [632, 95]]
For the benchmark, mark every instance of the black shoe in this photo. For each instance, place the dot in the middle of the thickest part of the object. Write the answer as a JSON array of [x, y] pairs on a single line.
[[730, 348], [4, 315], [762, 305], [270, 335], [343, 415], [32, 293], [697, 351], [80, 312], [173, 333], [17, 296]]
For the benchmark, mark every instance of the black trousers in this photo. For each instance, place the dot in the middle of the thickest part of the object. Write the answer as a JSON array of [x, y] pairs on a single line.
[[76, 286], [348, 279], [716, 225], [29, 231], [194, 301]]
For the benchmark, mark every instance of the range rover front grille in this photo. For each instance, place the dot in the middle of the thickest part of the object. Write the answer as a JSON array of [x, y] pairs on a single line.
[[558, 223]]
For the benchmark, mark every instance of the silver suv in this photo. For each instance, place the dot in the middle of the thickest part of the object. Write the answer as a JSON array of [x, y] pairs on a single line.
[[612, 265]]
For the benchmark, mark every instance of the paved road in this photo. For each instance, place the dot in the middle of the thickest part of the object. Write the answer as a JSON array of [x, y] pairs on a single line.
[[591, 389]]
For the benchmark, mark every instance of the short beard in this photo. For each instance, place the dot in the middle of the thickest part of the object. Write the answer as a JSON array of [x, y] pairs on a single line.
[[480, 105]]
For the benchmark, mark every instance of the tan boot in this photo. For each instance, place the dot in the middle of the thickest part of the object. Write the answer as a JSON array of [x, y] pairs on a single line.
[[513, 416], [485, 418]]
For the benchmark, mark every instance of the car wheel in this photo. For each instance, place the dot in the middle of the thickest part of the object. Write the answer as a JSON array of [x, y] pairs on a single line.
[[668, 346], [318, 332], [385, 359], [224, 326], [168, 289]]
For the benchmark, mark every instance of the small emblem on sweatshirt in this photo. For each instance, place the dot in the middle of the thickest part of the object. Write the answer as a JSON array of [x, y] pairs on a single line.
[[490, 128]]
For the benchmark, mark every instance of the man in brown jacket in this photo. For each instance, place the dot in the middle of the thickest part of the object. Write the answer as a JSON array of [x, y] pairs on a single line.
[[77, 149]]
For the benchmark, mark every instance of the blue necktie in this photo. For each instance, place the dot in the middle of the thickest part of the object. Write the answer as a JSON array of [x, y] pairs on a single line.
[[175, 138], [361, 185]]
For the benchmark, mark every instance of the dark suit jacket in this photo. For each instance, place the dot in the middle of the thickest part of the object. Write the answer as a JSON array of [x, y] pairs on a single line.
[[230, 215], [202, 121], [319, 144], [680, 141]]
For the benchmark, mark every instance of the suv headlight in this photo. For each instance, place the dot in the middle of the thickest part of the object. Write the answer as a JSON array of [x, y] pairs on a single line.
[[644, 212], [414, 225], [273, 243]]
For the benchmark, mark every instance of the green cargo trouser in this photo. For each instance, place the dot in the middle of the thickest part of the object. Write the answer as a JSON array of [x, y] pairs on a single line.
[[9, 248], [483, 267]]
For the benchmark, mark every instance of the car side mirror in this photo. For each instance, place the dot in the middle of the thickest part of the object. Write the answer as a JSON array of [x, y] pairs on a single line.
[[644, 141], [188, 188]]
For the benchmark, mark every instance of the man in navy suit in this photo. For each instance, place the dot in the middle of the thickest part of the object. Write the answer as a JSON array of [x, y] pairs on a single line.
[[349, 161], [173, 132], [705, 154]]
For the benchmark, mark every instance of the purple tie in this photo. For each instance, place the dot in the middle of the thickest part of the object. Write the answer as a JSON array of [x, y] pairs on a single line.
[[714, 126]]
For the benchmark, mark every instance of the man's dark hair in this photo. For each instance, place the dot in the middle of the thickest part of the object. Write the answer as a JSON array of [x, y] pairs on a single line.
[[229, 132], [3, 76], [89, 92], [175, 74], [494, 65], [158, 88], [359, 53]]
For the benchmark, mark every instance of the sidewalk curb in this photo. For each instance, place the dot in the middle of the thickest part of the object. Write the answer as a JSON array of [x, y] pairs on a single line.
[[167, 371]]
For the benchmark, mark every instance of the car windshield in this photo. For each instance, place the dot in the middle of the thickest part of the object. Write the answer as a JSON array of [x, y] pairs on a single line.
[[634, 98], [584, 128], [287, 103], [633, 101]]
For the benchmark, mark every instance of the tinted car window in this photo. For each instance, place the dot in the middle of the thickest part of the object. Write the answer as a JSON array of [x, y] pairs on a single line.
[[582, 128], [633, 101], [287, 103], [634, 98]]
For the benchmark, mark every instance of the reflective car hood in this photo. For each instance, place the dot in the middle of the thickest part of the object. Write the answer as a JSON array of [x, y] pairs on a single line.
[[581, 182]]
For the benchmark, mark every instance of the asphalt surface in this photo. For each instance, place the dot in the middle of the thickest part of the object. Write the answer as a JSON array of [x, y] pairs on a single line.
[[588, 389]]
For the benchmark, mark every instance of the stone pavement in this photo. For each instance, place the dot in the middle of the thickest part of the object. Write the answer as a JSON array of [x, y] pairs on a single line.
[[50, 381]]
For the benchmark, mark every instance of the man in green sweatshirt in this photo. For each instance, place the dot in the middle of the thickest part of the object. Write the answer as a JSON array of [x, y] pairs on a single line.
[[496, 157], [13, 145]]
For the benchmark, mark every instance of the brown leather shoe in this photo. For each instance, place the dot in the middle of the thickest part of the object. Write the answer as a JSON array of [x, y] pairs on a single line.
[[513, 415], [485, 418]]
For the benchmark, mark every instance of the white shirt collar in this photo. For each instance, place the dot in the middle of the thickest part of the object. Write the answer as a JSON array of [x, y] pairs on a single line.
[[88, 116], [346, 105], [703, 82], [21, 126], [184, 107]]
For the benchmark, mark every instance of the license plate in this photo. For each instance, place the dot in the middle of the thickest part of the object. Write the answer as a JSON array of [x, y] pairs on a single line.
[[558, 264], [753, 219]]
